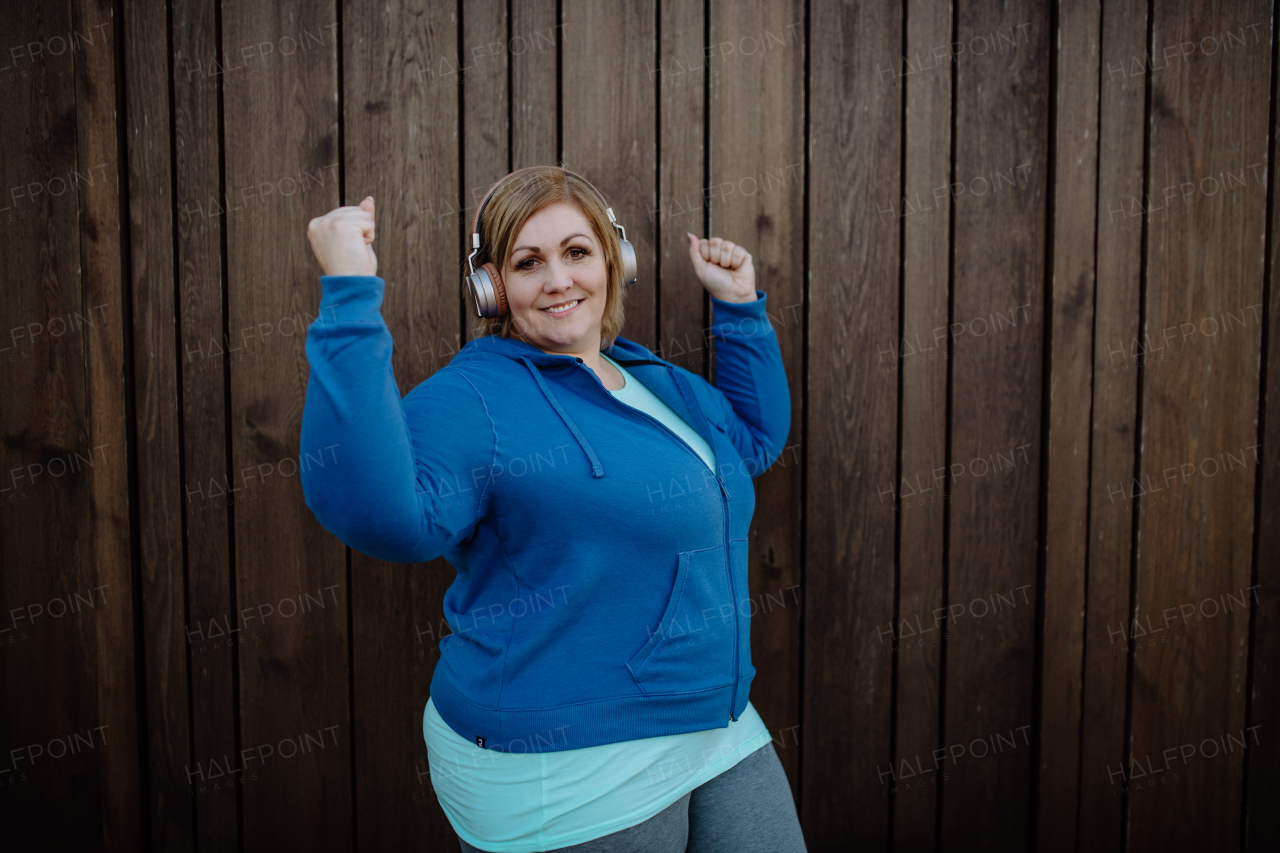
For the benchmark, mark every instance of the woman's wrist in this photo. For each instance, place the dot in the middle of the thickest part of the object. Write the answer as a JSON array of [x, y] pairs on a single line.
[[738, 298]]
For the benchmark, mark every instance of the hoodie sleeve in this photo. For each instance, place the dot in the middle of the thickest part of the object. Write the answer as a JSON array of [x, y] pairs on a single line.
[[404, 478], [754, 398]]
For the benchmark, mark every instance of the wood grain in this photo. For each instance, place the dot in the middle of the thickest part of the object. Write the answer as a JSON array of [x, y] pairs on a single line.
[[995, 422], [534, 53], [281, 148], [1262, 763], [916, 363], [215, 628], [1070, 382], [1114, 426], [851, 427], [159, 420], [67, 670], [102, 282], [1204, 259]]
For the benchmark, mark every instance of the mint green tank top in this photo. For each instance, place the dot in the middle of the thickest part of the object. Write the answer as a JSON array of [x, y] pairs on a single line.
[[513, 803]]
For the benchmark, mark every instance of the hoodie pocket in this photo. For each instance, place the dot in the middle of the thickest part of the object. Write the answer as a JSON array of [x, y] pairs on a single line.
[[692, 647]]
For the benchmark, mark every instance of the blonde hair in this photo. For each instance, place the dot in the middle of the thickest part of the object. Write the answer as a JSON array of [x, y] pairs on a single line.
[[521, 195]]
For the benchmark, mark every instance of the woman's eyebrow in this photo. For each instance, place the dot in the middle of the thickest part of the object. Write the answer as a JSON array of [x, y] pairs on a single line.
[[563, 243]]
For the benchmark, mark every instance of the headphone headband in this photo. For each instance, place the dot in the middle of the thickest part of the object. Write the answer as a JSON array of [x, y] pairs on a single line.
[[475, 218]]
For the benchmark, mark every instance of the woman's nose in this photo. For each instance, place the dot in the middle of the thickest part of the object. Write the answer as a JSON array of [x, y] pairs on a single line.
[[559, 278]]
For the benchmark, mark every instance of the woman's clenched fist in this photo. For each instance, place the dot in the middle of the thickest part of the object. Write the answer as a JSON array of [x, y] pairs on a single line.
[[342, 240], [724, 268]]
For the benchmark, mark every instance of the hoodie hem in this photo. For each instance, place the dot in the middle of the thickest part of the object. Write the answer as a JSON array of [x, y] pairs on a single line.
[[591, 722]]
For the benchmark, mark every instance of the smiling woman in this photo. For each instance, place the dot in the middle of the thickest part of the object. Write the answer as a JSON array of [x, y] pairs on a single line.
[[617, 716]]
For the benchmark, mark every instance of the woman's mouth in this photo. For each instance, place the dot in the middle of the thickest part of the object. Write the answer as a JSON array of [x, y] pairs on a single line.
[[563, 308]]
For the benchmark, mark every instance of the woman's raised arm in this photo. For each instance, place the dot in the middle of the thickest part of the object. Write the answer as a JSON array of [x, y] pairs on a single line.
[[403, 479], [751, 381]]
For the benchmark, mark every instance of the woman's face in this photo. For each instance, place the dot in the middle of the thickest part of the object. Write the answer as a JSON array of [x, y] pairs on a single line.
[[557, 262]]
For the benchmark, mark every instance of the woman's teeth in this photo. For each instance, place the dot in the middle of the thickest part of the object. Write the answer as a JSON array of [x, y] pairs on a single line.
[[560, 308]]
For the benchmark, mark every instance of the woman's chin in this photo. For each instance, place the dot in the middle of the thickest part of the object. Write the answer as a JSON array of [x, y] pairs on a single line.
[[552, 335]]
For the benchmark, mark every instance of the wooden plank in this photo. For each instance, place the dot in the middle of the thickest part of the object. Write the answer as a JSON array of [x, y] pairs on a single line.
[[51, 657], [917, 363], [680, 75], [534, 51], [282, 150], [214, 626], [999, 241], [102, 282], [1070, 377], [484, 103], [401, 139], [1262, 763], [1114, 429], [1208, 128], [757, 120], [609, 133], [159, 414], [855, 127]]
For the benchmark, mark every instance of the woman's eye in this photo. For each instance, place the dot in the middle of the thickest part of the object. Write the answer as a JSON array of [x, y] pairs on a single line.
[[527, 263], [578, 253]]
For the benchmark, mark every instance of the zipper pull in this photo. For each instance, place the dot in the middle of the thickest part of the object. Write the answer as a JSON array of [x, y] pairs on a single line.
[[723, 488]]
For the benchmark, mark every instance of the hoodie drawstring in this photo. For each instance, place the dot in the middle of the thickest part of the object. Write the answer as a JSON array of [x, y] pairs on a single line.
[[597, 470]]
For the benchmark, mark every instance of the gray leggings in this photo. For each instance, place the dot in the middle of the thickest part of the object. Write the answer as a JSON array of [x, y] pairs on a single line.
[[746, 809]]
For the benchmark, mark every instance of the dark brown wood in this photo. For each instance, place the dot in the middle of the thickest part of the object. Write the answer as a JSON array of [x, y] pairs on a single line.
[[486, 54], [43, 418], [159, 416], [855, 139], [608, 133], [67, 668], [533, 52], [679, 73], [1204, 262], [757, 156], [989, 653], [1262, 776], [1070, 369], [214, 628], [1116, 359], [282, 157], [917, 363], [101, 282]]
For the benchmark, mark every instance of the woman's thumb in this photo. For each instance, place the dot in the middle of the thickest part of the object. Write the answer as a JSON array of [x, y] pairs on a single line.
[[367, 204], [695, 253]]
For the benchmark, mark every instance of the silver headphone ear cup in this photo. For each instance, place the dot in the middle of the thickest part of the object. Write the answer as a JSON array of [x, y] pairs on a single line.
[[483, 295], [629, 265]]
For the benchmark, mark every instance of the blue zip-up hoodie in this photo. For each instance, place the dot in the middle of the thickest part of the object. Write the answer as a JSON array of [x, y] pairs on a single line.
[[601, 591]]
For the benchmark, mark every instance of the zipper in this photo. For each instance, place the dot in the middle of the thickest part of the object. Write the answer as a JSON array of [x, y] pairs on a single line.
[[733, 594], [724, 503], [728, 563]]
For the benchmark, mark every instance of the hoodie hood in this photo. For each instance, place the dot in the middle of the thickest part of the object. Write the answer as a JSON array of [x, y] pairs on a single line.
[[534, 359]]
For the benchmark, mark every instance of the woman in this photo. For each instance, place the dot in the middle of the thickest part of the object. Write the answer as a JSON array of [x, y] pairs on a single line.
[[595, 502]]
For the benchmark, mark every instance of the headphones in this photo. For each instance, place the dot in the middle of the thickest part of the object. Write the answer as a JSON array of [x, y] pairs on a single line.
[[485, 284]]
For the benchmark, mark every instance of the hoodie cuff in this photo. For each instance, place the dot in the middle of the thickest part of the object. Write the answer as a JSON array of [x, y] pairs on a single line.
[[735, 320], [351, 298]]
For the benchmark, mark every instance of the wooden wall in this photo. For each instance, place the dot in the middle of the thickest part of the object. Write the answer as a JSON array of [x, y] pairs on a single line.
[[1016, 570]]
